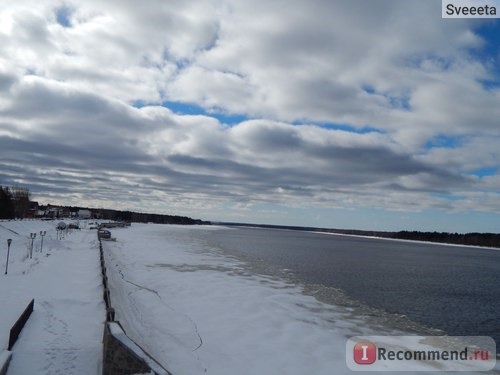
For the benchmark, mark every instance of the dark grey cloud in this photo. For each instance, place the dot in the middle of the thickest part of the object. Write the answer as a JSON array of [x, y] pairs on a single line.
[[99, 149], [6, 81]]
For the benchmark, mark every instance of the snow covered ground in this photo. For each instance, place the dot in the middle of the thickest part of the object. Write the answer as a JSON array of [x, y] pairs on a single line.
[[194, 309], [198, 311], [64, 333]]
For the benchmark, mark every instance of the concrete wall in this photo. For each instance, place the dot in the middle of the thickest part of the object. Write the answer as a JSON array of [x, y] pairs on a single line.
[[118, 358], [121, 355], [5, 357]]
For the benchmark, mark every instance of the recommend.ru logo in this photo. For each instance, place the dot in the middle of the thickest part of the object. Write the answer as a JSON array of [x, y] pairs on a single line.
[[365, 353], [421, 353]]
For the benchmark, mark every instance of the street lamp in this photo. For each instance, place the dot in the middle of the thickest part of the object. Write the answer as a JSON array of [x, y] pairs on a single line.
[[42, 233], [32, 236], [9, 241]]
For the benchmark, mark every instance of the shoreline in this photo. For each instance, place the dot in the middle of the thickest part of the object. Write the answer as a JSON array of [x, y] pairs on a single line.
[[359, 236], [411, 241]]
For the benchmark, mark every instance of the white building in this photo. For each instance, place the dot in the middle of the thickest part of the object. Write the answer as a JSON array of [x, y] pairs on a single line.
[[84, 214]]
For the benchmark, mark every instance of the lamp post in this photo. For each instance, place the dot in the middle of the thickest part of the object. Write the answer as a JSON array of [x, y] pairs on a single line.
[[32, 236], [9, 241], [42, 234]]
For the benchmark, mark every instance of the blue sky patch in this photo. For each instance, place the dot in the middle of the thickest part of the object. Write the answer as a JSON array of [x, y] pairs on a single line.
[[181, 108], [490, 53], [193, 109], [444, 141], [395, 101], [140, 103], [448, 197], [63, 16], [484, 172], [343, 127], [399, 102], [369, 89]]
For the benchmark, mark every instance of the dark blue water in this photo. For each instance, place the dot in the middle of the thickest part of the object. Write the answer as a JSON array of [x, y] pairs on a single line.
[[451, 288]]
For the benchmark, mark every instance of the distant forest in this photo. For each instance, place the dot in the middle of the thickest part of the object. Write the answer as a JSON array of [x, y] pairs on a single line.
[[15, 203], [473, 239], [138, 217]]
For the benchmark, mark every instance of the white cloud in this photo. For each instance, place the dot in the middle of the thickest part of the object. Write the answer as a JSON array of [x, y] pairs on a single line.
[[68, 92]]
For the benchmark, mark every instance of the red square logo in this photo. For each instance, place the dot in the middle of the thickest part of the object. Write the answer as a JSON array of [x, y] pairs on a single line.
[[365, 353]]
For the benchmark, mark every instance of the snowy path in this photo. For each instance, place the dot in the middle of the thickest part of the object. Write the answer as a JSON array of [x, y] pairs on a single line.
[[64, 332]]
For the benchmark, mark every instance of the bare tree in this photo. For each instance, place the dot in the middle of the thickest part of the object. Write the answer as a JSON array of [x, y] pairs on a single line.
[[6, 204], [21, 200]]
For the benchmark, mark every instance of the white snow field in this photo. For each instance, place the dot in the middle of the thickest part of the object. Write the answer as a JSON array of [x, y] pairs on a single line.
[[64, 333], [193, 308], [198, 311]]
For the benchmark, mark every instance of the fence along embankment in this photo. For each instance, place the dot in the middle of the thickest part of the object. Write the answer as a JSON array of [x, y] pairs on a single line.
[[121, 355]]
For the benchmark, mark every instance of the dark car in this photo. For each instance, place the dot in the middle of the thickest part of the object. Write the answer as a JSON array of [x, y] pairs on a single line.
[[104, 234]]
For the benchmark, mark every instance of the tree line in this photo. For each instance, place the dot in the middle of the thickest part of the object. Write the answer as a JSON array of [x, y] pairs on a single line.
[[139, 217], [14, 202], [474, 239]]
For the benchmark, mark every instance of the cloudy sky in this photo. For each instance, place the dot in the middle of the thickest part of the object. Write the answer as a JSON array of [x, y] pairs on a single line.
[[337, 113]]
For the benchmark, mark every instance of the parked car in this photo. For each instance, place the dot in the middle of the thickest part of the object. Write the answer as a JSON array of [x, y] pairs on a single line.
[[104, 234]]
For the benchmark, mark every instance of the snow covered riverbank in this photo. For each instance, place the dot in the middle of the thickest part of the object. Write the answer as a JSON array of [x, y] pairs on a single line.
[[64, 332], [195, 309], [198, 311]]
